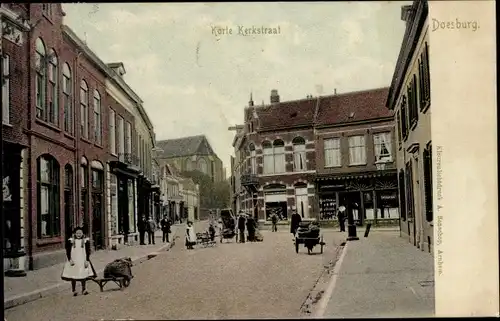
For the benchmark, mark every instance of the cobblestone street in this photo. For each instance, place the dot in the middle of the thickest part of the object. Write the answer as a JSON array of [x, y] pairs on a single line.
[[251, 280]]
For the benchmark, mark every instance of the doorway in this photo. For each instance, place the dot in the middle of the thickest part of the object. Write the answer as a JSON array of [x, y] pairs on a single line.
[[97, 209], [352, 201], [123, 223]]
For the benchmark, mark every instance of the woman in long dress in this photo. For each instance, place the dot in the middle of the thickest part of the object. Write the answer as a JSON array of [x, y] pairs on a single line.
[[190, 236], [78, 267]]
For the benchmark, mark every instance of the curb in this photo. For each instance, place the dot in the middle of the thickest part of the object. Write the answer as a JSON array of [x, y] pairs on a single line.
[[56, 288]]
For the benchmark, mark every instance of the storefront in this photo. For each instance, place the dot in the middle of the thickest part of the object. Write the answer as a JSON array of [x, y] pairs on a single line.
[[372, 197], [275, 201], [13, 220], [123, 214]]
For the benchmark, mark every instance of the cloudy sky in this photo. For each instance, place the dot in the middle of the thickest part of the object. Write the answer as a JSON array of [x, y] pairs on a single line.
[[195, 81]]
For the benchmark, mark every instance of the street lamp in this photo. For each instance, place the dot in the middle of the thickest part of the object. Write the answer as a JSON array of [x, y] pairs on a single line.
[[351, 226]]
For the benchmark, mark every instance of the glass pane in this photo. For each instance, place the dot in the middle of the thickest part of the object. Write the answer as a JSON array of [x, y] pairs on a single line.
[[44, 170]]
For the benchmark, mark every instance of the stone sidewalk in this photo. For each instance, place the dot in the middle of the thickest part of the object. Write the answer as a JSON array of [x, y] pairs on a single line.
[[382, 276], [47, 281]]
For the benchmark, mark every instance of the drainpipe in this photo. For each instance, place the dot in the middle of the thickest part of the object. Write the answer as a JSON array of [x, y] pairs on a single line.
[[76, 130]]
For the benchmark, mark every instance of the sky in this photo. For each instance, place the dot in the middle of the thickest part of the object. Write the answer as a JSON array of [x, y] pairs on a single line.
[[195, 80]]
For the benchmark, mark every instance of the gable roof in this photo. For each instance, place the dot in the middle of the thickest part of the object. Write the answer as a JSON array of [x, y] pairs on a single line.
[[295, 113], [353, 107], [185, 146]]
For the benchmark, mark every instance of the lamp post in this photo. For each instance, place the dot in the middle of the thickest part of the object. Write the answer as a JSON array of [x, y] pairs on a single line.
[[351, 226]]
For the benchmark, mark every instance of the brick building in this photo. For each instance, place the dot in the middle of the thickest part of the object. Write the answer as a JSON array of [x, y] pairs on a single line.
[[311, 155], [60, 111], [355, 157], [278, 155], [410, 100]]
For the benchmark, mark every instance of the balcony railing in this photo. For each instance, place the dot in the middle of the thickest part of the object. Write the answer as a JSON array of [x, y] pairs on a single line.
[[129, 159], [249, 179]]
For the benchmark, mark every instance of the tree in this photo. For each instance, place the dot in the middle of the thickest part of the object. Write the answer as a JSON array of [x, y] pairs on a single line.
[[212, 194]]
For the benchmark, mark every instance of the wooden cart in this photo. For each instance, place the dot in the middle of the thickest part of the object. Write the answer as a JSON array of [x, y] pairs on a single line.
[[309, 243]]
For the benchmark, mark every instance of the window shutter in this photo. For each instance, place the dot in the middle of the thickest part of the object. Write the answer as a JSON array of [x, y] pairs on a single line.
[[402, 196], [428, 183]]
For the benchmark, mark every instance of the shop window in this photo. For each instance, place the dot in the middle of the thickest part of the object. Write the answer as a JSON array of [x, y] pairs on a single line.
[[428, 182], [387, 204], [48, 223], [328, 206]]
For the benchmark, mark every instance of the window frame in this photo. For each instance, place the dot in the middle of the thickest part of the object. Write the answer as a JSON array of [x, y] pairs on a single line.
[[40, 79], [299, 152], [68, 125], [279, 145], [363, 147], [112, 131], [84, 109], [52, 112], [334, 148], [97, 117], [388, 135], [52, 186]]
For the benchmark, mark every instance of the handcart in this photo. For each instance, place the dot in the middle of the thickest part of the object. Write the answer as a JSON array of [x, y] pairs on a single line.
[[306, 236], [228, 228]]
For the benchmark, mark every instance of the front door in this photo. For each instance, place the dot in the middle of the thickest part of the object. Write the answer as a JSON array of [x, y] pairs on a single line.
[[68, 214], [123, 222]]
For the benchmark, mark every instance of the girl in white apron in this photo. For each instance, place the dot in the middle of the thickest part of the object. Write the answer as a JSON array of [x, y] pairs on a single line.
[[78, 267], [190, 236]]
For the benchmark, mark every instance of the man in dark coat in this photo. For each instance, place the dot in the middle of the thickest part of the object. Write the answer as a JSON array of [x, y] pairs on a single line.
[[142, 225], [341, 215], [294, 224], [165, 228], [241, 227], [251, 229]]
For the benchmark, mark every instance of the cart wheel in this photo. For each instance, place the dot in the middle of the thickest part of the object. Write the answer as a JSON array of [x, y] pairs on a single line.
[[296, 246]]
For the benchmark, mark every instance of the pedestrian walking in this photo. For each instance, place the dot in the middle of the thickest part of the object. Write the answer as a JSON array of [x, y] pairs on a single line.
[[251, 227], [341, 216], [165, 228], [151, 229], [241, 226], [190, 236], [142, 226], [295, 221], [78, 267], [274, 221]]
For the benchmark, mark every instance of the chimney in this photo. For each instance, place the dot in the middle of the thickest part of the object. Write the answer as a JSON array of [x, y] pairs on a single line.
[[275, 98], [406, 12], [335, 91]]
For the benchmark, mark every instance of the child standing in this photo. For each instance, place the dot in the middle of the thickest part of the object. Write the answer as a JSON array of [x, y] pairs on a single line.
[[190, 236], [78, 267]]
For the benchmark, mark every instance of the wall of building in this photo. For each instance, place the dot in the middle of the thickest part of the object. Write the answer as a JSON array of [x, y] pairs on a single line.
[[418, 230]]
